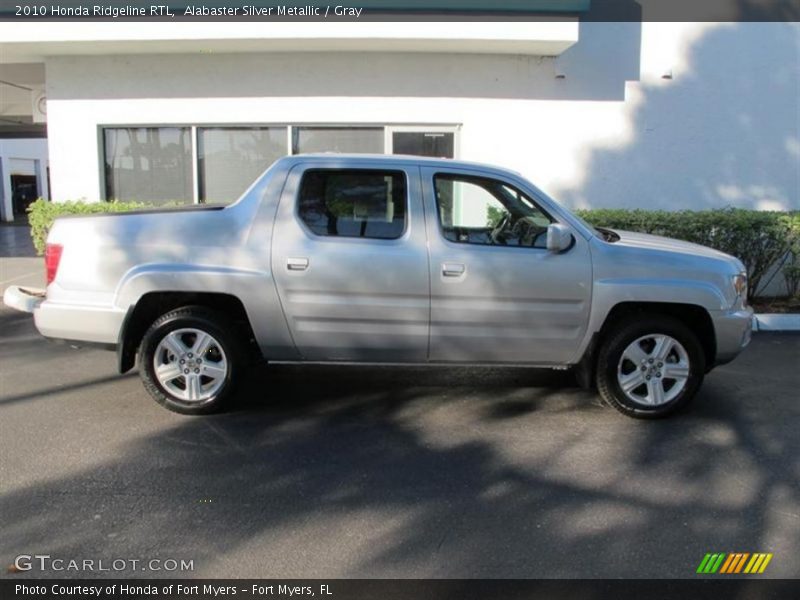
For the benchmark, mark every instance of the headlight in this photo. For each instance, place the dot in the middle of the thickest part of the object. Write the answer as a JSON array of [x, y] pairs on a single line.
[[740, 286]]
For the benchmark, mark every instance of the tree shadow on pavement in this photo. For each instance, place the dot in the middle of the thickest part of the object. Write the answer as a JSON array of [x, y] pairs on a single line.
[[421, 473]]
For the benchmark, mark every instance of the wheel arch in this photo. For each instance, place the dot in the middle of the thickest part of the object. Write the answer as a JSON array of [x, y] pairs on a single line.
[[154, 304], [694, 316]]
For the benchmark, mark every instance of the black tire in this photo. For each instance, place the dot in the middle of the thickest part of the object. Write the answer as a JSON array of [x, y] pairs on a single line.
[[623, 335], [211, 323]]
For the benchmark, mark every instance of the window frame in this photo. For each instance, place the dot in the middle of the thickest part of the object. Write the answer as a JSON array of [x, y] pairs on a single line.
[[456, 175], [313, 169]]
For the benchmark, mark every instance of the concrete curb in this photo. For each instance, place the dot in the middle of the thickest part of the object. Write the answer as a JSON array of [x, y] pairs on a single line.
[[776, 322]]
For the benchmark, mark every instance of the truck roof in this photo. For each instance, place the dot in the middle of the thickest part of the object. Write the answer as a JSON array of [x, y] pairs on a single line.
[[397, 159]]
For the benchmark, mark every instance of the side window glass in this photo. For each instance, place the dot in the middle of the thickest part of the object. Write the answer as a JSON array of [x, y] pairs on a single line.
[[487, 212], [349, 203]]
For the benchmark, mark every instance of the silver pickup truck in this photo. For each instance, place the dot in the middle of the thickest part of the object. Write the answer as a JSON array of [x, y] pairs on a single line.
[[390, 260]]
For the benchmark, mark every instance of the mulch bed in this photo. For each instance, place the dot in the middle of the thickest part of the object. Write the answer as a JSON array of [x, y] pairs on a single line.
[[776, 305]]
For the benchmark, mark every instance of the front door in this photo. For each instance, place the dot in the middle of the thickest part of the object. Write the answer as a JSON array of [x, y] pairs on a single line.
[[497, 293], [351, 264]]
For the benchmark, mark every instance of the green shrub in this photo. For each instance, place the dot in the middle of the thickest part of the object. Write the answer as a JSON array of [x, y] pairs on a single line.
[[760, 239], [791, 268], [42, 213]]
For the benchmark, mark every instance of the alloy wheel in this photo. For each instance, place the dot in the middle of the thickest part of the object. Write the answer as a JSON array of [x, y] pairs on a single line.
[[653, 370], [190, 364]]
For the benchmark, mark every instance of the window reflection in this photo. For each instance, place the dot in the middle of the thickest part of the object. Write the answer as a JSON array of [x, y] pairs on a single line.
[[358, 140], [230, 159], [149, 164]]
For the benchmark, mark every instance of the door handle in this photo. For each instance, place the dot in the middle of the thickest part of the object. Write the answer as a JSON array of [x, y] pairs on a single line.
[[297, 264], [453, 269]]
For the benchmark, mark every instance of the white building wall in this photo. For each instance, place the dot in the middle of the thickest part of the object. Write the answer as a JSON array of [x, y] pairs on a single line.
[[613, 132], [12, 150]]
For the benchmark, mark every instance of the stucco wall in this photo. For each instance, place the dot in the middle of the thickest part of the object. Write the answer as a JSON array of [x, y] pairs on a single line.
[[724, 130]]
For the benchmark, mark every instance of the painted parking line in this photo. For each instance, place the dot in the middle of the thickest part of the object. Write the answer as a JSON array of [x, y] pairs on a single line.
[[18, 277]]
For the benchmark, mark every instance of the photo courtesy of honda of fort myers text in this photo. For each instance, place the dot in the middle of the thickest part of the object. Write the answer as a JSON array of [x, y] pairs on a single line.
[[399, 299]]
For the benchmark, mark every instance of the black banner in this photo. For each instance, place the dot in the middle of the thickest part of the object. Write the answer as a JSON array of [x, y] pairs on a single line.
[[400, 10], [730, 588]]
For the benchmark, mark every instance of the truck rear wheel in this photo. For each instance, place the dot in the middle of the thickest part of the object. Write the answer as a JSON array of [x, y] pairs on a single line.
[[189, 360], [650, 367]]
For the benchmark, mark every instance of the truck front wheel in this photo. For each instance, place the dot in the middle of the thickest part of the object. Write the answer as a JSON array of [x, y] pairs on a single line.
[[189, 360], [650, 366]]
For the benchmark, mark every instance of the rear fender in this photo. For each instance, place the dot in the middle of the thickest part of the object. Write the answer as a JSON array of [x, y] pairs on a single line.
[[255, 289]]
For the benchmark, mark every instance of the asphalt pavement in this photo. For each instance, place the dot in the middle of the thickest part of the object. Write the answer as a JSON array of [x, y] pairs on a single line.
[[376, 472]]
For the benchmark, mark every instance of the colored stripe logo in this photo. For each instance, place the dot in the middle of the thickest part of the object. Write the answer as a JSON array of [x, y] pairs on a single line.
[[734, 563]]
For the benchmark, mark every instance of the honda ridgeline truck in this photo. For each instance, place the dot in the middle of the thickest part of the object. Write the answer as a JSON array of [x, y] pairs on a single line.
[[390, 260]]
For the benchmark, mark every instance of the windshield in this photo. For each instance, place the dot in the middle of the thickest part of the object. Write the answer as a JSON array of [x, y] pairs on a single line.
[[594, 230]]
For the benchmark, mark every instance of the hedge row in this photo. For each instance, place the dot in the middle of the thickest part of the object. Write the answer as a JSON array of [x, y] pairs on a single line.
[[760, 239]]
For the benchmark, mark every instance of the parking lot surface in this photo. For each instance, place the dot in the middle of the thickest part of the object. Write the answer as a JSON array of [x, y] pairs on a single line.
[[372, 472]]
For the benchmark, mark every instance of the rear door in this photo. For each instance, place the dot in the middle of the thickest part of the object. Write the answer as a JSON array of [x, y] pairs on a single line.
[[497, 293], [350, 261]]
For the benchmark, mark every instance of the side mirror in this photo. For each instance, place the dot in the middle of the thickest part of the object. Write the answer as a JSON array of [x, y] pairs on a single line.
[[559, 237]]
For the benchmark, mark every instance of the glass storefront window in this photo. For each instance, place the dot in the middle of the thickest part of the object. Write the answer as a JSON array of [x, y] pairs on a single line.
[[148, 164], [435, 144], [155, 165], [230, 159], [359, 140]]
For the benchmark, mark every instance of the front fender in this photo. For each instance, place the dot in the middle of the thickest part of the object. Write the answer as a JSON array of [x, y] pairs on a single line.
[[608, 293]]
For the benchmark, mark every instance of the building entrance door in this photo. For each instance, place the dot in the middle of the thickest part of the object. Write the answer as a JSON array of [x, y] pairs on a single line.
[[24, 185]]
